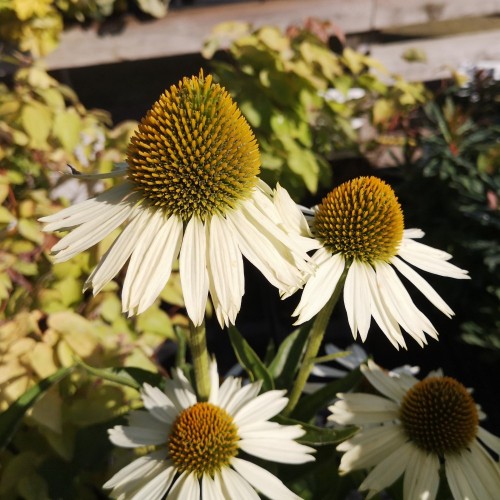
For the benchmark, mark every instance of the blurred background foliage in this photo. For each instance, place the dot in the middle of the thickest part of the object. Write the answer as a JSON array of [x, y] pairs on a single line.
[[312, 108]]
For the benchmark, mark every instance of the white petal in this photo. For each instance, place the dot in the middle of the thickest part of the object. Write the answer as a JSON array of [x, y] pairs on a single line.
[[186, 487], [213, 397], [380, 312], [388, 470], [422, 475], [424, 287], [233, 402], [401, 305], [136, 470], [263, 480], [91, 232], [360, 408], [489, 439], [135, 281], [284, 451], [211, 488], [227, 280], [370, 447], [119, 252], [430, 259], [156, 487], [193, 270], [290, 213], [261, 243], [357, 299], [263, 407], [158, 405], [83, 212], [388, 386], [235, 486], [180, 391], [160, 258], [319, 287], [149, 433]]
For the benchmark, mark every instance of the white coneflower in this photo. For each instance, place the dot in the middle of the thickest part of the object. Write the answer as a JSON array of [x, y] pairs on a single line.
[[192, 192], [197, 445], [360, 227], [414, 429]]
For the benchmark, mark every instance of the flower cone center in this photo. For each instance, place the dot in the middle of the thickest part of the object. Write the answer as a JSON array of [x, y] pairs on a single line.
[[203, 440], [439, 415], [361, 219], [194, 153]]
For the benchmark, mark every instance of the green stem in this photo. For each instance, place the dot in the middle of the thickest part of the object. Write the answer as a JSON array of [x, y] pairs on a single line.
[[201, 362], [316, 335]]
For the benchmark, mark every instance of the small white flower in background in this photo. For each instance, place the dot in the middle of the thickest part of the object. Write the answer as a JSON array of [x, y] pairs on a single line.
[[197, 444], [336, 95], [356, 355], [361, 230], [413, 429], [192, 192]]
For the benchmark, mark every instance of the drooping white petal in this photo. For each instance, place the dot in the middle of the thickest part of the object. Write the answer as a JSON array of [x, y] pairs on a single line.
[[263, 407], [290, 213], [211, 488], [91, 232], [263, 480], [413, 233], [225, 269], [489, 439], [380, 312], [156, 486], [385, 385], [193, 270], [423, 286], [186, 487], [370, 448], [430, 259], [403, 309], [357, 299], [160, 257], [319, 287], [262, 244], [235, 486], [82, 212], [459, 479], [137, 469], [422, 475], [387, 471], [119, 252], [133, 286]]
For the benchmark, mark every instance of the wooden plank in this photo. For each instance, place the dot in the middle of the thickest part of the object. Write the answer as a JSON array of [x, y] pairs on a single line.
[[184, 31], [390, 13], [443, 54]]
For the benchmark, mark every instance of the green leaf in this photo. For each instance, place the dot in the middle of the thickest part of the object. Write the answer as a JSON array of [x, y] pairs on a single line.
[[309, 405], [319, 436], [11, 418], [129, 376], [286, 362], [36, 120], [249, 359], [66, 127]]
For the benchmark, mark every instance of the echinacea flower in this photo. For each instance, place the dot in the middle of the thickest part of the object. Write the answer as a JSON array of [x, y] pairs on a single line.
[[361, 230], [191, 192], [196, 445], [413, 429]]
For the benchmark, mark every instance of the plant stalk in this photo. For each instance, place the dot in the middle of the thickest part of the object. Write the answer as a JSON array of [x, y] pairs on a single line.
[[201, 362]]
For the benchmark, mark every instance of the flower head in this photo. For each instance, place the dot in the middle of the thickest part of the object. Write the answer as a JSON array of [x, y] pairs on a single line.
[[413, 428], [360, 227], [196, 445], [192, 192]]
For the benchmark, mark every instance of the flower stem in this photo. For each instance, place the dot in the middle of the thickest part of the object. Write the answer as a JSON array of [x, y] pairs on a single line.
[[316, 335], [199, 353]]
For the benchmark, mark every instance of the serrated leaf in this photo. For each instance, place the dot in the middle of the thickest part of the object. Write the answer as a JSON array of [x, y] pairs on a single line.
[[249, 359], [11, 418]]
